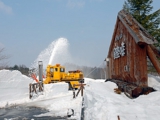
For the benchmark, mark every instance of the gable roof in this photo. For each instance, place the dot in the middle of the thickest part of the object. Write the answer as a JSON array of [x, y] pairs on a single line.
[[136, 30]]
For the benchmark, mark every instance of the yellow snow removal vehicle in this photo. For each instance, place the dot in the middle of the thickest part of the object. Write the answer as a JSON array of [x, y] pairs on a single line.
[[57, 73]]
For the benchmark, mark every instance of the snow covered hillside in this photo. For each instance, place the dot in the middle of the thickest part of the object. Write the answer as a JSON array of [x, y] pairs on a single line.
[[100, 101]]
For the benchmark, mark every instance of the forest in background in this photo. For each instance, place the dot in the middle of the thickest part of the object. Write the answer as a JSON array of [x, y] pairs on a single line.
[[89, 72]]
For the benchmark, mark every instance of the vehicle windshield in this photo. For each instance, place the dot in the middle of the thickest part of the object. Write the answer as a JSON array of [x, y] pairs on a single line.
[[62, 70]]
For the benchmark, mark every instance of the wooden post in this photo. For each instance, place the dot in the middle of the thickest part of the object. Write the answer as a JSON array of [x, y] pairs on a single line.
[[78, 92], [80, 89], [118, 117], [153, 58], [74, 95]]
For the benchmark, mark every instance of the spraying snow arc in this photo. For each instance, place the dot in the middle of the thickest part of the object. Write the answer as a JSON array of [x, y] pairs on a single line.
[[60, 51], [56, 52]]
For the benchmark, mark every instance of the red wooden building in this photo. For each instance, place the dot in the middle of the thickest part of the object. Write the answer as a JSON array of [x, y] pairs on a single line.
[[130, 46]]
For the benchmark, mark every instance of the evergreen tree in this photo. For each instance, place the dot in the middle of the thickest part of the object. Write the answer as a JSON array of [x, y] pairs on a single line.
[[140, 10]]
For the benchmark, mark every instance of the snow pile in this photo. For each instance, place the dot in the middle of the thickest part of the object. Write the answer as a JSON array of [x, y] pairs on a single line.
[[55, 89], [13, 87], [153, 81], [102, 103], [14, 90]]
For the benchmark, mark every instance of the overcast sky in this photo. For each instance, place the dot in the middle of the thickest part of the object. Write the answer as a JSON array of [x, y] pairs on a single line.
[[28, 26]]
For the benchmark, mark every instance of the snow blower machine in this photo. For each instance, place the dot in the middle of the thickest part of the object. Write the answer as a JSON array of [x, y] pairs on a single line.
[[54, 73], [57, 73]]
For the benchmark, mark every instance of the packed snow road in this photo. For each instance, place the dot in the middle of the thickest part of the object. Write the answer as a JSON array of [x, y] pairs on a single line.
[[100, 101]]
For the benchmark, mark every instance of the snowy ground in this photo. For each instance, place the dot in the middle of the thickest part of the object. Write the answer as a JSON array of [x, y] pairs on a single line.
[[101, 103], [14, 90]]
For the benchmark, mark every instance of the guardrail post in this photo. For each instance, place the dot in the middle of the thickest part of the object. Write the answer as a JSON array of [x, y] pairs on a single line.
[[74, 94]]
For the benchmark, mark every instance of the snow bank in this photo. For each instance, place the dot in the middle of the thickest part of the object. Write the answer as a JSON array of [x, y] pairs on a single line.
[[51, 90], [101, 103], [154, 81], [13, 87], [58, 100]]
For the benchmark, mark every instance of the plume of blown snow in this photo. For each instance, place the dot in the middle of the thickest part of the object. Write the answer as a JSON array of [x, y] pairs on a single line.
[[56, 52]]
